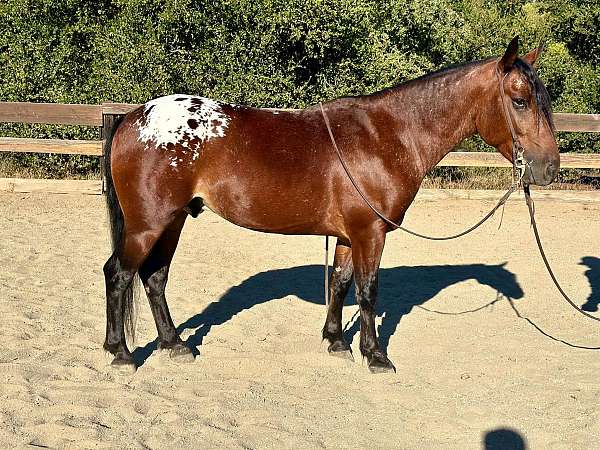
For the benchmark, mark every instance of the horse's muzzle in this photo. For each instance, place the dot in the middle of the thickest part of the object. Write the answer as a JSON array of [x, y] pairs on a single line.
[[541, 172]]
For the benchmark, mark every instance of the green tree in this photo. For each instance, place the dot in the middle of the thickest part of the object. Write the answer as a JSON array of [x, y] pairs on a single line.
[[277, 53]]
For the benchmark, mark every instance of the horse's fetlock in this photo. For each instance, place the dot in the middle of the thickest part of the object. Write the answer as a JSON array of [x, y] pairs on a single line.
[[368, 346], [115, 348], [332, 332], [367, 304]]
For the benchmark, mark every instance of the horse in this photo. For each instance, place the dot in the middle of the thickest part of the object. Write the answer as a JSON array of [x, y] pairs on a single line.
[[275, 171]]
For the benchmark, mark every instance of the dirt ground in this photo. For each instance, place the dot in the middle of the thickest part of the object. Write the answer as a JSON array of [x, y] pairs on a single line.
[[468, 366]]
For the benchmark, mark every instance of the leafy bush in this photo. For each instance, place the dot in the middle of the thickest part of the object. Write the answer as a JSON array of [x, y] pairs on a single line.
[[276, 53]]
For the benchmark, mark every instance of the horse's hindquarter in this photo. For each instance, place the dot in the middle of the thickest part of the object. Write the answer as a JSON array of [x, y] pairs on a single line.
[[268, 172]]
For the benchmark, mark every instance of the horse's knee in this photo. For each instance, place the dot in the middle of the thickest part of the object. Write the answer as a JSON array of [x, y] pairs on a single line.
[[109, 267], [366, 292], [154, 282], [117, 278], [342, 276]]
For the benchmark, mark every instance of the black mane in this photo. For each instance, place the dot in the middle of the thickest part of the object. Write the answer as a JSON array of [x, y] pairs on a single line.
[[542, 98], [443, 71]]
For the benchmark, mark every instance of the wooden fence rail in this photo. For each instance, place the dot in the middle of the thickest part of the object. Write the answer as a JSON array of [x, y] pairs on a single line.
[[103, 116], [70, 147], [91, 115], [51, 113], [490, 159]]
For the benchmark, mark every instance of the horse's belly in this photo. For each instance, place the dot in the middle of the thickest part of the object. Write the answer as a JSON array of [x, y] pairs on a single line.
[[267, 210]]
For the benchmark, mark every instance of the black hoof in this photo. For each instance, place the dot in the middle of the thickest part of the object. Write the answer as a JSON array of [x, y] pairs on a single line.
[[122, 361], [181, 353], [178, 351], [122, 365], [340, 349], [379, 363]]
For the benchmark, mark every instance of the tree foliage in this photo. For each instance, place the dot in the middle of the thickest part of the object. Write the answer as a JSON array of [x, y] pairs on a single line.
[[288, 53]]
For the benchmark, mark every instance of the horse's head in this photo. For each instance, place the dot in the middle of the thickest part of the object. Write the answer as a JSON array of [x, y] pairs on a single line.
[[515, 96], [497, 277]]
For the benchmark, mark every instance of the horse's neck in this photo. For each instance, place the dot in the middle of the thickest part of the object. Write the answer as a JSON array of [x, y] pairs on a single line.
[[438, 113]]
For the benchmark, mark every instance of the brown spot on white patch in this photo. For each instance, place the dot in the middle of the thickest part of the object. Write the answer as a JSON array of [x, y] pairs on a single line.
[[215, 125]]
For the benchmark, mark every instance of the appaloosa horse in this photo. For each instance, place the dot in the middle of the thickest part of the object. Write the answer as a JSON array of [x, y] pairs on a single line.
[[276, 171]]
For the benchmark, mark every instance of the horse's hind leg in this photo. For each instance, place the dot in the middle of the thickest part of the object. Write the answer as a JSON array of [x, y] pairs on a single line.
[[341, 279], [154, 273], [119, 272]]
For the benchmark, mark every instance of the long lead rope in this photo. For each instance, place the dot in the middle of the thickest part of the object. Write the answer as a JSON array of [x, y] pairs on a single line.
[[531, 208], [501, 202], [327, 271]]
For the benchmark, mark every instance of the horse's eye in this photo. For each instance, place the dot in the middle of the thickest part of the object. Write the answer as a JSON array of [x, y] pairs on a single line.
[[519, 103]]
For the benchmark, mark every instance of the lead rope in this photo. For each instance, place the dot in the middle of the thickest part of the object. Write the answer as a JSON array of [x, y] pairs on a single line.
[[520, 164], [531, 208], [501, 202], [327, 271]]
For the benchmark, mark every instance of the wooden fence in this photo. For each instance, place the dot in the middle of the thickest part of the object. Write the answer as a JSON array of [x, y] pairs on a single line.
[[103, 116]]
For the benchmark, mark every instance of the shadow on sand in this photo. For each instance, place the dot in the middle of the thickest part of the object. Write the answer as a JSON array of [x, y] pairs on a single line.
[[591, 305], [400, 290], [593, 275], [504, 439]]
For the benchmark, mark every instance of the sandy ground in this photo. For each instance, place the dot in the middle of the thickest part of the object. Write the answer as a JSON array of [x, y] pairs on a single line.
[[252, 305]]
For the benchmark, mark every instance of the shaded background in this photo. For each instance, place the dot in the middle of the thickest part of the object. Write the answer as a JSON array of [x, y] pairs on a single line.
[[275, 53]]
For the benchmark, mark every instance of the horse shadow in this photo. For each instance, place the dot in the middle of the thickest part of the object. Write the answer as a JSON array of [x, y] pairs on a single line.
[[593, 276], [400, 290]]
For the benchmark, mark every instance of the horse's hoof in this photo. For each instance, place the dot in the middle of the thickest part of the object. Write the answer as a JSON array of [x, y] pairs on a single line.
[[341, 349], [123, 366], [181, 353], [344, 354], [379, 363]]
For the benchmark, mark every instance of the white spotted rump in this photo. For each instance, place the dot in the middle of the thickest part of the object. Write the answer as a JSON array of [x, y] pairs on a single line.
[[181, 120]]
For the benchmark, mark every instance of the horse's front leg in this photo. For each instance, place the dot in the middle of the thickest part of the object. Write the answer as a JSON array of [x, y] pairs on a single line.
[[341, 278], [367, 248]]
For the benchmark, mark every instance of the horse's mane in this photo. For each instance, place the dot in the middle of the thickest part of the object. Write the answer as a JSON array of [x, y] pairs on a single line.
[[540, 93]]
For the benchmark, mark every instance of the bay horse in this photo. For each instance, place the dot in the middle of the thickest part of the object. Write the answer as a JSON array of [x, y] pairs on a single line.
[[276, 171]]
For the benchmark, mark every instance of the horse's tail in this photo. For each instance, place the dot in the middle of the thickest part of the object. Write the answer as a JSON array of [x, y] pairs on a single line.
[[117, 223]]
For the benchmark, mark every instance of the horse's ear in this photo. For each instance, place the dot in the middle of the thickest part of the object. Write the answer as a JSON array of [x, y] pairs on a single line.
[[533, 55], [510, 55]]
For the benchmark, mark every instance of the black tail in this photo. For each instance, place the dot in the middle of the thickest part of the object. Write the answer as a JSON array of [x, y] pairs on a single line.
[[117, 223]]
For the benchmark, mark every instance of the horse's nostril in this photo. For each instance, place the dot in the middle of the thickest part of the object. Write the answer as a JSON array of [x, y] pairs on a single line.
[[551, 170]]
